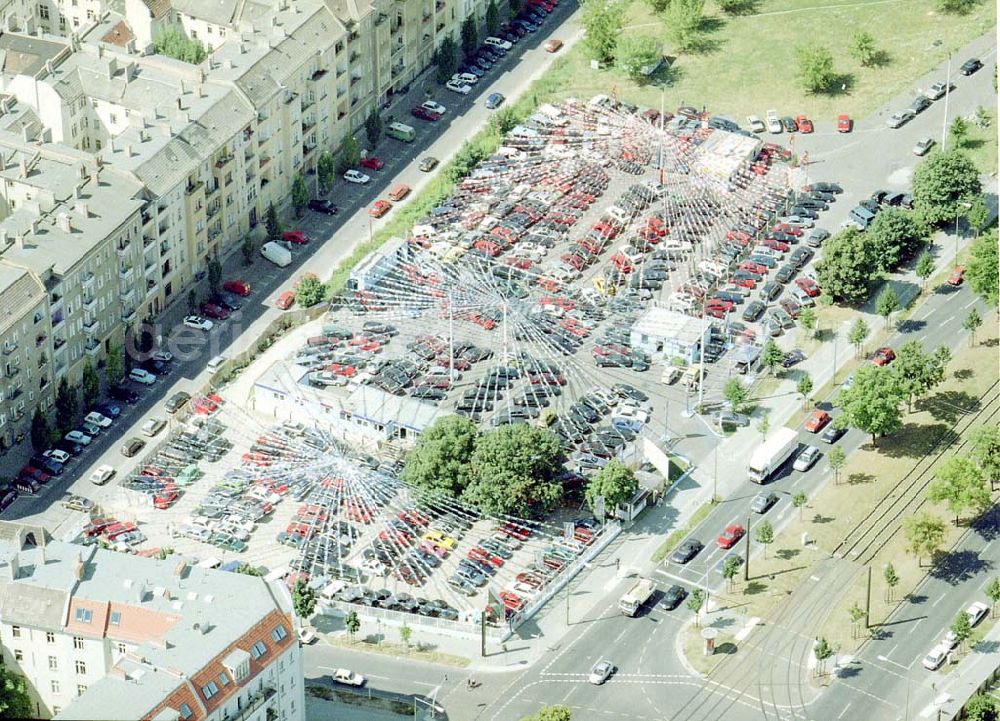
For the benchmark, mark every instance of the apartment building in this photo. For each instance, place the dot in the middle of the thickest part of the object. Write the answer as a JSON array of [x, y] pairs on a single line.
[[100, 634]]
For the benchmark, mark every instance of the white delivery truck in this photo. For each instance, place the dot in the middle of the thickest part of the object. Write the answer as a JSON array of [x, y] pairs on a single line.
[[632, 601], [277, 254], [772, 454]]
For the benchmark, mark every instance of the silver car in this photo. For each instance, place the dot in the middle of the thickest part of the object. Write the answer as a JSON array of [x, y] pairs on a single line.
[[600, 672], [807, 458]]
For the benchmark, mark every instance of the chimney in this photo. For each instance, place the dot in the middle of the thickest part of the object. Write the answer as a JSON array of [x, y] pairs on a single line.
[[41, 555], [128, 150], [77, 190], [180, 569], [24, 168], [243, 48], [182, 89], [100, 51], [83, 209], [48, 67], [200, 90], [26, 133], [3, 238], [140, 591], [179, 103], [143, 136], [112, 67], [227, 64], [79, 568], [64, 223], [14, 566], [83, 171], [34, 225]]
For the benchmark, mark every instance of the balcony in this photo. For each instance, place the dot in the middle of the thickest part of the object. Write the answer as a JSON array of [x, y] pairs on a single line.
[[147, 240], [12, 371], [87, 281], [439, 6], [123, 249], [150, 287], [223, 162], [164, 248], [124, 273], [262, 697], [397, 69], [92, 347], [213, 209], [308, 101], [426, 17], [193, 188], [58, 343], [9, 347], [212, 188], [355, 56], [146, 217], [39, 340], [317, 75], [128, 315], [55, 299], [89, 301], [398, 47], [90, 324], [42, 382], [18, 413], [264, 160]]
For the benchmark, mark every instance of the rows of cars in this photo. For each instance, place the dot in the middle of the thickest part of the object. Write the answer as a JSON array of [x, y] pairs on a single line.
[[923, 101]]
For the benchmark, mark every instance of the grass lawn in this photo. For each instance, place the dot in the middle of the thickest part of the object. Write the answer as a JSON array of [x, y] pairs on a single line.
[[835, 509], [679, 534], [693, 646], [748, 62], [982, 144]]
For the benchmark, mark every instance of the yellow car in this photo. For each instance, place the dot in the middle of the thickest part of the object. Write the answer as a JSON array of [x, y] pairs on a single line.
[[439, 538]]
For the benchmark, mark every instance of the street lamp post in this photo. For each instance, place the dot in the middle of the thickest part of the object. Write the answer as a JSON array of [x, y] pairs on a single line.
[[958, 208], [947, 92]]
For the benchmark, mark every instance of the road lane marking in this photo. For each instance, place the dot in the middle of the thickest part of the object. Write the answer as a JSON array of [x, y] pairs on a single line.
[[940, 598], [969, 304], [841, 714]]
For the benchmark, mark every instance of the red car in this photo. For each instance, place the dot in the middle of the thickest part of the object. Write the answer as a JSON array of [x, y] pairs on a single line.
[[844, 123], [773, 244], [204, 406], [164, 500], [957, 276], [296, 237], [529, 579], [212, 310], [372, 163], [883, 356], [751, 267], [379, 208], [786, 228], [239, 287], [480, 554], [804, 123], [548, 379], [519, 263], [511, 600], [515, 531], [424, 114], [816, 421], [729, 537], [808, 285]]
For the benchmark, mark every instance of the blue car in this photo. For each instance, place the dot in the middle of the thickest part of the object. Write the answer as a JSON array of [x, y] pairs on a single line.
[[494, 100], [629, 424], [111, 410]]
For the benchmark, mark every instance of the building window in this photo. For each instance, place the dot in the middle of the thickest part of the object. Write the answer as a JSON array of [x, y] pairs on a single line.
[[209, 690], [223, 679], [80, 689], [185, 711], [258, 650], [15, 631], [121, 647], [54, 685], [53, 663], [43, 12], [50, 637], [278, 633], [78, 643], [83, 615], [116, 618], [18, 654], [81, 667]]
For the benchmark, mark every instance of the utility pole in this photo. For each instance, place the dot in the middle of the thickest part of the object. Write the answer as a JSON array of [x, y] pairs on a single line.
[[746, 565], [451, 338], [947, 92], [868, 600]]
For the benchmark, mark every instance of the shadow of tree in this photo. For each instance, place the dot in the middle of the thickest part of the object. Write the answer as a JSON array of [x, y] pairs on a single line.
[[724, 622], [954, 568], [820, 518], [973, 143], [856, 479], [667, 74], [746, 7], [964, 374], [754, 588], [914, 440], [848, 671], [787, 554], [948, 406], [702, 44], [916, 599], [990, 342], [728, 648], [881, 59], [988, 524], [841, 84], [711, 24], [910, 325]]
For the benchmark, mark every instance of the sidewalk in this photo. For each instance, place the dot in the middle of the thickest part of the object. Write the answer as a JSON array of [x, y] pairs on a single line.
[[944, 699]]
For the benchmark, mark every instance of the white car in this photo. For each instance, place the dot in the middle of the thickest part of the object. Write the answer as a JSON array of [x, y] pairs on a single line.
[[600, 672], [163, 356], [141, 376], [198, 323], [977, 612], [806, 459], [98, 419], [342, 675], [773, 122], [457, 86], [755, 124], [498, 42], [102, 474], [79, 437], [923, 146], [307, 636], [933, 660], [151, 427], [467, 78], [797, 220], [434, 107], [900, 118], [57, 455], [356, 176], [632, 413]]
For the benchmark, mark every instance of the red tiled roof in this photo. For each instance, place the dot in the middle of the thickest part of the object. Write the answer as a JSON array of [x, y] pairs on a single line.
[[119, 35], [157, 8]]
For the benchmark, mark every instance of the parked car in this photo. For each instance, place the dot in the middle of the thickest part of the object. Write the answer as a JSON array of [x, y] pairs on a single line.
[[552, 45], [239, 287], [372, 162], [923, 146], [494, 100], [198, 323], [807, 458], [844, 123], [686, 551], [142, 376], [322, 205], [970, 66], [816, 421], [762, 502], [132, 446], [357, 177]]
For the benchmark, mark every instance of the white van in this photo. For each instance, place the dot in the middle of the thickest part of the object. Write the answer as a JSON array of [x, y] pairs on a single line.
[[277, 254], [216, 363], [497, 43], [210, 562], [332, 590], [619, 214]]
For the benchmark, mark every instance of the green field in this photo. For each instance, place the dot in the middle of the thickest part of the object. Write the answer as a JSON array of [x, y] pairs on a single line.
[[749, 66]]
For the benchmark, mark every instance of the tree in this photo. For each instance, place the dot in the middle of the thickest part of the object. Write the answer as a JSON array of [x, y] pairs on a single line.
[[246, 249], [504, 120], [981, 707], [405, 632], [799, 501], [214, 275], [272, 224], [858, 334], [683, 20], [514, 7], [917, 371], [616, 483], [303, 599], [352, 623], [815, 68], [959, 483], [470, 36], [958, 131], [492, 18], [41, 432], [961, 627], [822, 651], [836, 459], [192, 301], [943, 181], [326, 168], [891, 579], [872, 403], [982, 270], [763, 426], [15, 700], [636, 52], [462, 163], [300, 195], [993, 593], [735, 7], [247, 570], [804, 387], [807, 319], [113, 364], [847, 269], [440, 462], [735, 393], [350, 154], [972, 323], [924, 535], [373, 127], [956, 7], [771, 356], [602, 25], [730, 567], [173, 43], [66, 404], [863, 48], [986, 451], [309, 290], [446, 59], [695, 601], [856, 613], [551, 713], [893, 235], [924, 268], [90, 384], [514, 471], [764, 535], [977, 215]]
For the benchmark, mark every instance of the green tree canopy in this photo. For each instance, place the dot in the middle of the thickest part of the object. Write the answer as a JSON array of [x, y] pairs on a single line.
[[90, 384], [815, 68], [173, 43], [764, 535], [470, 36], [957, 7], [872, 403], [551, 713], [924, 535], [917, 371], [41, 431], [326, 168], [858, 333], [446, 59], [981, 707], [272, 224], [514, 471], [373, 127], [15, 700], [960, 484], [924, 267], [300, 194], [635, 52], [771, 356], [683, 19], [887, 303], [248, 570], [863, 48], [350, 154], [982, 269], [66, 406], [615, 482], [440, 461], [602, 26], [303, 599], [735, 393], [941, 182], [352, 623], [836, 459], [847, 269], [894, 235], [986, 451], [214, 274], [492, 18]]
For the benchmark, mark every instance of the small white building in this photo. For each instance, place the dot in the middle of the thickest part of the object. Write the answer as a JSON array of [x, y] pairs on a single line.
[[668, 334], [379, 263]]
